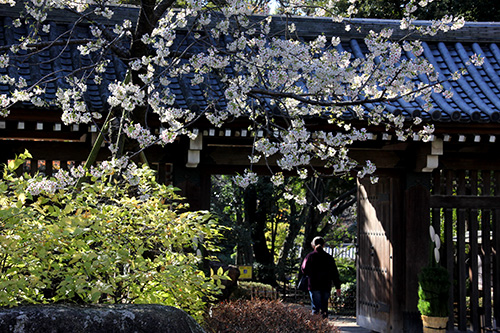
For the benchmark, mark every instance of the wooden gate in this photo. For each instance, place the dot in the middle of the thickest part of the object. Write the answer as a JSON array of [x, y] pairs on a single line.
[[375, 220], [465, 209]]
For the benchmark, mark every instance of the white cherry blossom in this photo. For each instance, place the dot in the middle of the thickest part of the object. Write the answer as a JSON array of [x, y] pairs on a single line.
[[274, 80]]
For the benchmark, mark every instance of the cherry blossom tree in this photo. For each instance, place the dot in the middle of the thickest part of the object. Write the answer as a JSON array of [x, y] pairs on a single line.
[[273, 79]]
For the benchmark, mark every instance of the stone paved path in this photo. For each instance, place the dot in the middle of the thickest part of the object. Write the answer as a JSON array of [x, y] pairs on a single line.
[[347, 324]]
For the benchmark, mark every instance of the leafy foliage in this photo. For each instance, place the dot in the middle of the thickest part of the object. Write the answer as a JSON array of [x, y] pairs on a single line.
[[433, 291], [471, 10], [483, 10], [347, 269], [264, 316], [346, 303], [245, 288], [102, 244], [268, 225]]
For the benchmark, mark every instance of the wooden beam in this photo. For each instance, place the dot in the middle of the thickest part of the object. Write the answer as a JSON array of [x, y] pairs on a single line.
[[464, 201], [40, 135]]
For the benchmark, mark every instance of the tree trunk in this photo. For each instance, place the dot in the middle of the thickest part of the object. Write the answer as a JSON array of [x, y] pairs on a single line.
[[294, 226], [244, 251], [257, 216], [312, 216]]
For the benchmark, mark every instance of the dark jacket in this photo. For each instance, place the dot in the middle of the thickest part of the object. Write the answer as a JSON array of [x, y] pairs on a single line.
[[321, 269]]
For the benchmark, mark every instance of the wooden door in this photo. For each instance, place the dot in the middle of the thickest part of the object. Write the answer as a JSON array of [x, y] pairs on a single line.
[[375, 221]]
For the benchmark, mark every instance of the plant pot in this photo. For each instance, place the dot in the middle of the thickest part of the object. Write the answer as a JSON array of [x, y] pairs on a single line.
[[434, 324]]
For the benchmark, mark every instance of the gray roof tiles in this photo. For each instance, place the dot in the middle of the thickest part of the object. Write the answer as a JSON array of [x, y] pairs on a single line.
[[476, 96]]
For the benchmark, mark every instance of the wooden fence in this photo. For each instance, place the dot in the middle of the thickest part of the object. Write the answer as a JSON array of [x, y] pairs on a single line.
[[264, 293], [345, 251], [465, 210]]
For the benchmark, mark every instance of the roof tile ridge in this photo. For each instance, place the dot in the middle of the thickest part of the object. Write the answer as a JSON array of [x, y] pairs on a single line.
[[477, 77], [452, 66], [436, 97], [446, 84], [488, 68]]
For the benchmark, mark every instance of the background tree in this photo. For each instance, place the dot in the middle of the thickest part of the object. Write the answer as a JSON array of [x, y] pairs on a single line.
[[481, 10], [270, 229], [227, 203]]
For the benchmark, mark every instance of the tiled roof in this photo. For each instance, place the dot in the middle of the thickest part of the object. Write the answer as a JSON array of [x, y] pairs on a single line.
[[476, 96], [46, 64]]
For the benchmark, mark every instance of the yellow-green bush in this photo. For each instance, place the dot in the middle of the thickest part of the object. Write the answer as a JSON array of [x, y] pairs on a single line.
[[118, 239]]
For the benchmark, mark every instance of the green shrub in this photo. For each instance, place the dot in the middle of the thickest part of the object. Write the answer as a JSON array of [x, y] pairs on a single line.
[[262, 316], [433, 291], [121, 238], [347, 269], [346, 303], [248, 289]]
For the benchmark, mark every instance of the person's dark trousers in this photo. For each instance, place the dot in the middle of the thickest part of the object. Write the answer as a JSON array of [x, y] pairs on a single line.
[[319, 302]]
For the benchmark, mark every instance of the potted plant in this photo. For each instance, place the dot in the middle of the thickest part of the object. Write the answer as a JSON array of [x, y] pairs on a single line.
[[434, 291]]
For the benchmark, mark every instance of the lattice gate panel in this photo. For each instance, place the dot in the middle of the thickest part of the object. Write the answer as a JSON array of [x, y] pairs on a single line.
[[465, 210]]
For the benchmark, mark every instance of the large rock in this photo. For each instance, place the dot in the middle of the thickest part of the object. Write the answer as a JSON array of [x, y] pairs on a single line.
[[123, 318]]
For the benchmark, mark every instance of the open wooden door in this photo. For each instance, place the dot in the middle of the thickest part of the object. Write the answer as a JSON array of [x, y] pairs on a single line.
[[375, 273]]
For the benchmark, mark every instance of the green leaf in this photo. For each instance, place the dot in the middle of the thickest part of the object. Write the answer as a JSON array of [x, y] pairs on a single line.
[[92, 245]]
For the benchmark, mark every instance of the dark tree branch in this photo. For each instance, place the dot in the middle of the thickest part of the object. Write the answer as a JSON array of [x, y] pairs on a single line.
[[309, 101], [162, 7], [48, 44], [108, 35]]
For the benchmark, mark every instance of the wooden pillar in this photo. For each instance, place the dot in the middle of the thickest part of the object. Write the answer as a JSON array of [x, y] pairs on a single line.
[[449, 245], [417, 240], [496, 253], [398, 258], [486, 251], [461, 256], [194, 184], [49, 171], [192, 179], [34, 167]]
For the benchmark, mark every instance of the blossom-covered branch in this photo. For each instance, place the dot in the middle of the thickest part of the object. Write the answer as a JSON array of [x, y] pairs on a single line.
[[254, 67]]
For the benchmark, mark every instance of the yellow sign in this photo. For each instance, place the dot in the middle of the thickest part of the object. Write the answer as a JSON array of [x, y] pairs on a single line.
[[245, 272]]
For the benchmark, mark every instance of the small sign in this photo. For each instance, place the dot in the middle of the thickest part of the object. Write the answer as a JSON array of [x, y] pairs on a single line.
[[245, 272]]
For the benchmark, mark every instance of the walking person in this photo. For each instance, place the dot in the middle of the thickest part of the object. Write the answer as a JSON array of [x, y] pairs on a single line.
[[322, 271]]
